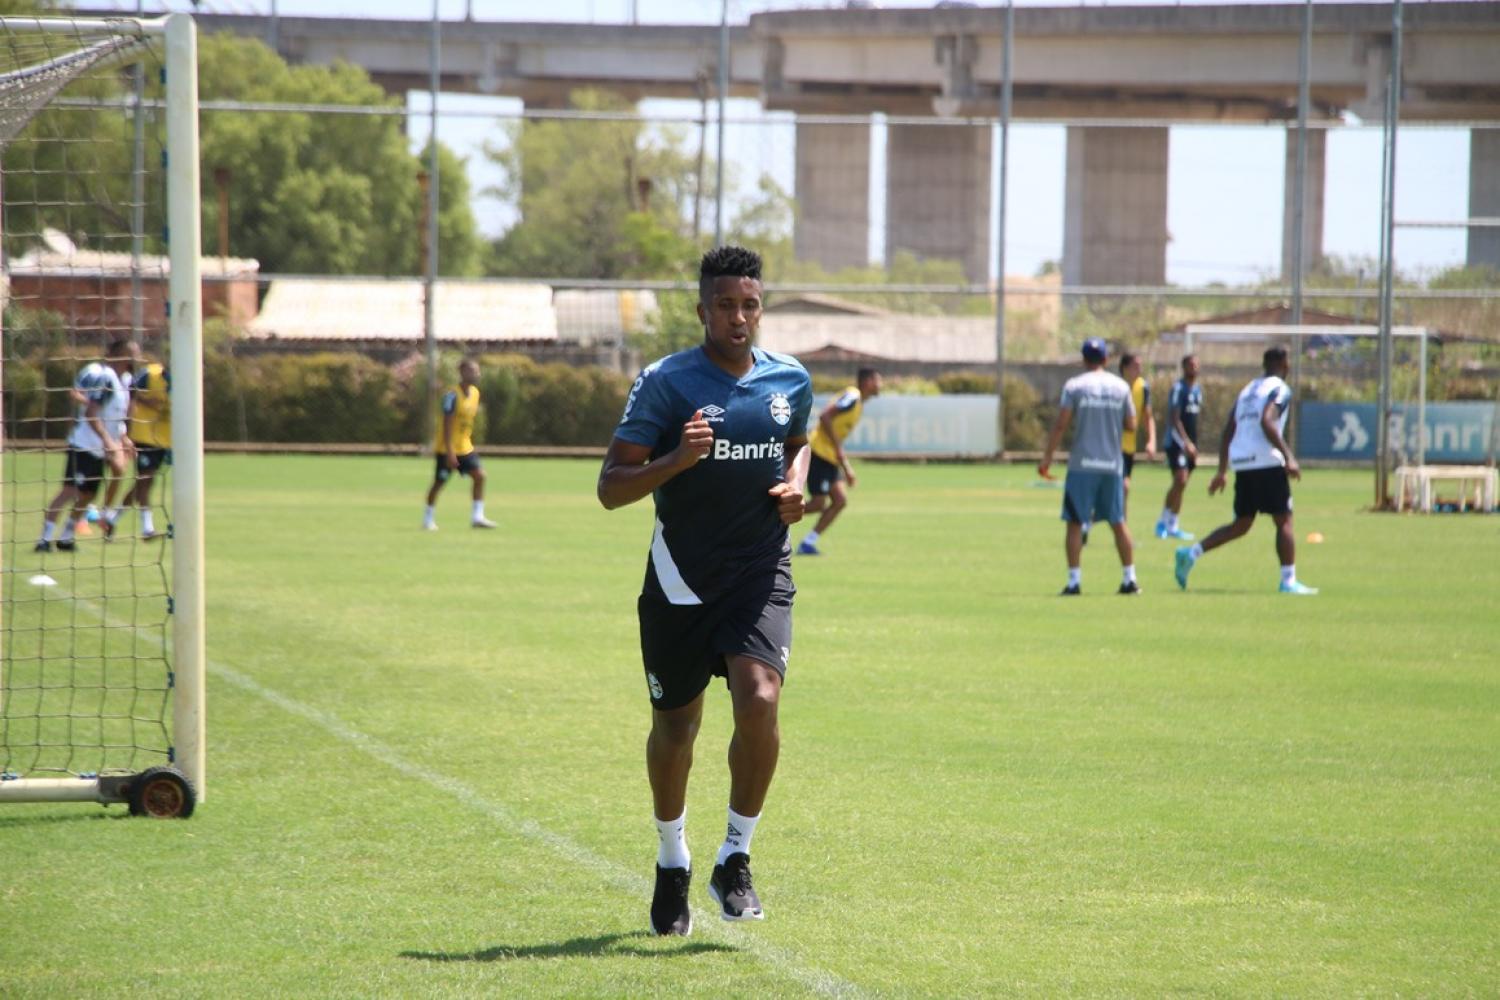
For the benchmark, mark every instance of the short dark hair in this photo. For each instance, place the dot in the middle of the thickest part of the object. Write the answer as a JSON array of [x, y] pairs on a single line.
[[118, 349], [1127, 358], [1274, 357], [1186, 358], [864, 374], [726, 262]]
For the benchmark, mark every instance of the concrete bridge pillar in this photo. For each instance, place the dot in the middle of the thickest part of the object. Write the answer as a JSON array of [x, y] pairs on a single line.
[[937, 194], [833, 195], [1115, 207], [1312, 206], [1484, 196]]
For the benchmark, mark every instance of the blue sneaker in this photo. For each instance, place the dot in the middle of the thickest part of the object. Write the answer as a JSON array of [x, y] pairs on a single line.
[[808, 549], [1185, 563], [1178, 533], [1161, 529], [1299, 588]]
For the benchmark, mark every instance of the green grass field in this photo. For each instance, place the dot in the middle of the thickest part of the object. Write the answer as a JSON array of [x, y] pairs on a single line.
[[426, 759]]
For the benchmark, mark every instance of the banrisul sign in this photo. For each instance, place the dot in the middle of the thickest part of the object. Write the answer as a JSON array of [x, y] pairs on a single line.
[[1454, 432], [923, 425]]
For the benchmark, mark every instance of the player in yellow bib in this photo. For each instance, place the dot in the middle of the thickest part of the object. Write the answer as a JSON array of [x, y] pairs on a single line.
[[830, 466], [1144, 433], [454, 446], [151, 430]]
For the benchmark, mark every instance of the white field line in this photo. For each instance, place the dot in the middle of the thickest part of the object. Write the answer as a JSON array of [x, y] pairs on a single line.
[[637, 886]]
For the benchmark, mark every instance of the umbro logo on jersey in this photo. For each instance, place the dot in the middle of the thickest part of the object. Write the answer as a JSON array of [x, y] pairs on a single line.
[[713, 413]]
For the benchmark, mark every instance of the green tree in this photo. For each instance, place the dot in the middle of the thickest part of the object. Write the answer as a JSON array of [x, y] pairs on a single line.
[[598, 198]]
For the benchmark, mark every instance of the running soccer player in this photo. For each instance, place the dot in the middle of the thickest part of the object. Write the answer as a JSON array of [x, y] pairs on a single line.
[[1145, 420], [151, 432], [98, 438], [455, 446], [1095, 487], [717, 434], [1183, 406], [829, 466], [1254, 445]]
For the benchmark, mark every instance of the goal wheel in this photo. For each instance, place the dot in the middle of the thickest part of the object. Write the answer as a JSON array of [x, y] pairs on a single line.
[[162, 793]]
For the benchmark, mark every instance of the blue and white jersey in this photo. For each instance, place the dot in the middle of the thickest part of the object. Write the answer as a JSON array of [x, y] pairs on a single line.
[[1185, 401], [1251, 449], [716, 522], [100, 384]]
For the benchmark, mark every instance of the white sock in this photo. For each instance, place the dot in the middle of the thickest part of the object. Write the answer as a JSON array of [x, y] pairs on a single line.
[[429, 515], [112, 515], [1197, 551], [673, 850], [811, 537], [737, 835], [148, 525], [1129, 574], [1075, 576], [1166, 516], [478, 510], [49, 529], [1171, 520], [1289, 573], [67, 531]]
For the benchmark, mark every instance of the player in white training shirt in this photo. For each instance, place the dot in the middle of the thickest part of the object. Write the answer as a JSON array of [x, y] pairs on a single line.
[[1255, 445]]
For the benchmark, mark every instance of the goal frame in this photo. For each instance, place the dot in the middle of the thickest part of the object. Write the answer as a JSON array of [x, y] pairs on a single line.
[[185, 329]]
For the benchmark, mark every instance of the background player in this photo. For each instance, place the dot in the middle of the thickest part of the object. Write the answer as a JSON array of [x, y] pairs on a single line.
[[1145, 421], [718, 434], [98, 438], [1263, 465], [151, 433], [455, 446], [829, 466], [1184, 403], [1094, 488]]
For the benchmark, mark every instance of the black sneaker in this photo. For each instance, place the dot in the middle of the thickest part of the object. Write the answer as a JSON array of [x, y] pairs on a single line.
[[1130, 588], [42, 545], [107, 528], [669, 905], [64, 544], [731, 888], [1071, 590]]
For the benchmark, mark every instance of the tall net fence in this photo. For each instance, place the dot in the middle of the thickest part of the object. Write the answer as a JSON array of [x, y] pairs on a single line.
[[86, 678]]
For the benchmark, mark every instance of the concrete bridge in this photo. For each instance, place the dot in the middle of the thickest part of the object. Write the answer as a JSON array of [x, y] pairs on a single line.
[[1148, 64]]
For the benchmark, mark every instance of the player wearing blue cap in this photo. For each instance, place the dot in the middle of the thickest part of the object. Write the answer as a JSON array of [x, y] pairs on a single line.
[[1098, 405]]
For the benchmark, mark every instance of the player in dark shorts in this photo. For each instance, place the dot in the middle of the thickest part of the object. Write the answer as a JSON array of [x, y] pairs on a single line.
[[1184, 403], [717, 434]]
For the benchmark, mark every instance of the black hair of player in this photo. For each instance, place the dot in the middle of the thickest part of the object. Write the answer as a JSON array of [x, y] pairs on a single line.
[[118, 350], [725, 262], [1125, 360], [865, 374], [1188, 357], [1273, 359]]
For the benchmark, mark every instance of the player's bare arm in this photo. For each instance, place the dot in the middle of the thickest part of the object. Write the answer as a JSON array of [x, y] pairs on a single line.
[[1217, 483], [1268, 423], [449, 458], [1150, 435], [1182, 434], [1059, 427], [114, 451], [629, 473], [788, 494]]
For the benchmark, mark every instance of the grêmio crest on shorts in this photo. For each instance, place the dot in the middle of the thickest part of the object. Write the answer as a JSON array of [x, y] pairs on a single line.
[[716, 521]]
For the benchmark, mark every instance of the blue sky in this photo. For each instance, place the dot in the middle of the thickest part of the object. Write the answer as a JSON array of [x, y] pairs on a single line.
[[1225, 189]]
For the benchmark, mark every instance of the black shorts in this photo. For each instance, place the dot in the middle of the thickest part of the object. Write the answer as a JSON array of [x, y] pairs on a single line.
[[466, 466], [148, 460], [821, 475], [1262, 491], [1129, 463], [684, 646], [1177, 458], [83, 470]]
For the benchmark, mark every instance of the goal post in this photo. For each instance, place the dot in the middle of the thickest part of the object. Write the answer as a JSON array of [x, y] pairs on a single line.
[[102, 666]]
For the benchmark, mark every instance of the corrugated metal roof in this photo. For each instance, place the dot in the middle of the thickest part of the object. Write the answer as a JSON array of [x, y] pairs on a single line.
[[392, 309]]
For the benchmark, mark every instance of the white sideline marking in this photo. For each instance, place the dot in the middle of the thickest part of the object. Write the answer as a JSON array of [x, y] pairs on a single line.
[[818, 980]]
